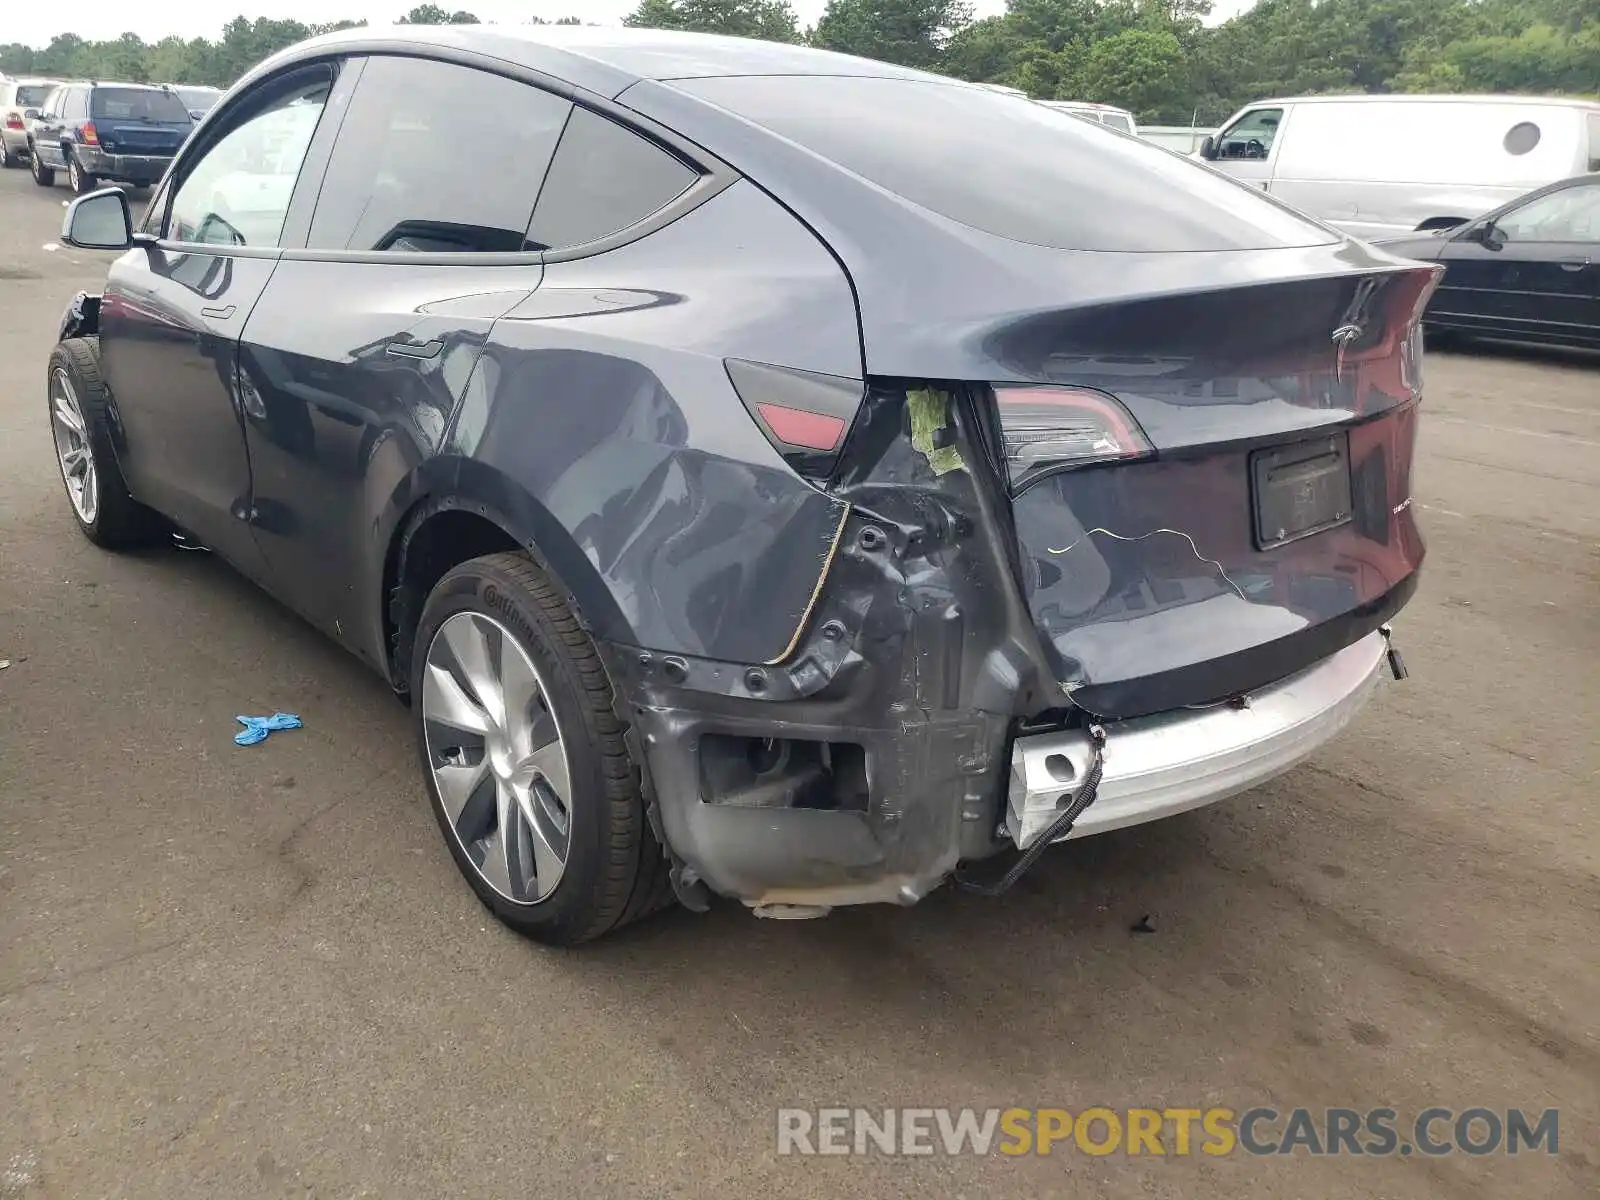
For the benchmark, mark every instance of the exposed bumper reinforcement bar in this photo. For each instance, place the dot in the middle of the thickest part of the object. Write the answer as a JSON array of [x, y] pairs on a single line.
[[1169, 763]]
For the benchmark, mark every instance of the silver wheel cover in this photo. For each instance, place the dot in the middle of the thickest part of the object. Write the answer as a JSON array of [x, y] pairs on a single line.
[[73, 451], [497, 756]]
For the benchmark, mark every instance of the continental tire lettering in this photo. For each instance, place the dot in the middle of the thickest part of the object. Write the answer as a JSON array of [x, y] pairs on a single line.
[[502, 605]]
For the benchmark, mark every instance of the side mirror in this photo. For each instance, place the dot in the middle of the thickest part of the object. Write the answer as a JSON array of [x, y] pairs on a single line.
[[1488, 235], [1208, 147], [31, 114], [99, 221]]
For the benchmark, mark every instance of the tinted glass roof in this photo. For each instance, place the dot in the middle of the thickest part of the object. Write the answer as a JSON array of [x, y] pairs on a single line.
[[641, 53]]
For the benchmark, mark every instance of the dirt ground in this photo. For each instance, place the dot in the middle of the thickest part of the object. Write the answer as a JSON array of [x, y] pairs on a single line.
[[240, 973]]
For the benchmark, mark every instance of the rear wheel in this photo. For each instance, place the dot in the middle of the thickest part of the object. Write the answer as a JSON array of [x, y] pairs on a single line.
[[81, 181], [8, 159], [42, 175], [532, 784], [105, 512]]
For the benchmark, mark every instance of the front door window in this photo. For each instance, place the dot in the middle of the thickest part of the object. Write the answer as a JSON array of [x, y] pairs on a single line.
[[238, 194], [1251, 136]]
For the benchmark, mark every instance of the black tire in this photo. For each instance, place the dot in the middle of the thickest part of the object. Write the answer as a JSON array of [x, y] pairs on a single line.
[[42, 175], [8, 160], [119, 520], [616, 870], [82, 181]]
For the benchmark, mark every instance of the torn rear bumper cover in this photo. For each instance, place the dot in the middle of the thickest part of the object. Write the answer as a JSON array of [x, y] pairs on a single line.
[[947, 650], [892, 821], [1170, 763]]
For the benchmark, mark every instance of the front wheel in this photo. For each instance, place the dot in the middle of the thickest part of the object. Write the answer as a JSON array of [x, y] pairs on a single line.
[[530, 777], [106, 514], [81, 181], [42, 175]]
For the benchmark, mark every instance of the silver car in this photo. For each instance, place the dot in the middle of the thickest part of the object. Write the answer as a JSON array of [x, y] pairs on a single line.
[[17, 97]]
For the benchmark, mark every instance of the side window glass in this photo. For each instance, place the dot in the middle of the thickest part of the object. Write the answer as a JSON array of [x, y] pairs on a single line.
[[79, 104], [1252, 135], [435, 157], [1594, 141], [604, 178], [238, 193], [1570, 215]]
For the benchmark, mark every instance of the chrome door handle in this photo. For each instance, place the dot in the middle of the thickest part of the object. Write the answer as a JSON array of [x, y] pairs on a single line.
[[415, 349], [221, 314]]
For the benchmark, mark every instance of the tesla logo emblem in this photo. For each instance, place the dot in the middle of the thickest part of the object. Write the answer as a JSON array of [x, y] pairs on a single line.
[[1342, 337]]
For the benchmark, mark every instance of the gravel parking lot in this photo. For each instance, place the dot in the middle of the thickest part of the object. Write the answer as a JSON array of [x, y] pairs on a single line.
[[229, 972]]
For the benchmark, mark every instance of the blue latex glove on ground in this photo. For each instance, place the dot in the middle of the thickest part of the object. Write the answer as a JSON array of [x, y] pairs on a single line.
[[256, 729]]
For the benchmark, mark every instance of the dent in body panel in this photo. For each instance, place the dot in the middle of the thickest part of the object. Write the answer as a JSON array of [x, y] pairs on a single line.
[[1149, 581], [604, 395], [919, 652], [342, 412]]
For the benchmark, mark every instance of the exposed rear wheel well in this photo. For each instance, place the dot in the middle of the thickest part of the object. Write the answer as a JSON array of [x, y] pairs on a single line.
[[428, 544]]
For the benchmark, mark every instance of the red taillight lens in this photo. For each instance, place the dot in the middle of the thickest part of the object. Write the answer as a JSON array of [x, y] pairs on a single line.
[[13, 121], [804, 414], [1048, 427], [803, 430], [89, 134]]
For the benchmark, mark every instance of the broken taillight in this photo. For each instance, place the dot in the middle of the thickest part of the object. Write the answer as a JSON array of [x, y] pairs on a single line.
[[804, 414], [1046, 427]]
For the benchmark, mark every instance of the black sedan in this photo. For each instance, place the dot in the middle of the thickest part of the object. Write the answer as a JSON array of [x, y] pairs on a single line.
[[1528, 271], [765, 472]]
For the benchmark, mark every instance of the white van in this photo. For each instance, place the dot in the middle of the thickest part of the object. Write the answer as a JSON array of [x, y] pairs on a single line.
[[1119, 119], [1381, 165]]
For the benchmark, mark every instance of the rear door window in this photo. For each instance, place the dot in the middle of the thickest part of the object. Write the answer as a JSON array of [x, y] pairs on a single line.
[[74, 104], [603, 179], [1010, 167], [437, 158], [137, 104]]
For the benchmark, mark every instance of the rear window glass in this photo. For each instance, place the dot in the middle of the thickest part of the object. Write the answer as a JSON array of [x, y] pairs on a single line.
[[1010, 167], [604, 178], [32, 95], [136, 104], [434, 157]]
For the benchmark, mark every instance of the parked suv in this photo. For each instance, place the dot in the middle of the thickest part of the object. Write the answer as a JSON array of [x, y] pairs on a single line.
[[115, 132], [17, 98], [199, 98], [746, 499]]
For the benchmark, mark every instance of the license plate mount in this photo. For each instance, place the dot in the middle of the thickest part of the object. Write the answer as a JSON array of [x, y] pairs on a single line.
[[1300, 490]]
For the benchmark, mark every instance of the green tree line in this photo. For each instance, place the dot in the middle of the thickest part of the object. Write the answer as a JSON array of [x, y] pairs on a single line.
[[1156, 57]]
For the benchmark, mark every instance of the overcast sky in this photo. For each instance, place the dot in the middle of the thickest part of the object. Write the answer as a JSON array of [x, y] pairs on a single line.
[[35, 23]]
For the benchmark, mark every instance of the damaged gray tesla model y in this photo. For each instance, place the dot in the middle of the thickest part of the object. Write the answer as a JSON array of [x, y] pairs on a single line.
[[766, 473]]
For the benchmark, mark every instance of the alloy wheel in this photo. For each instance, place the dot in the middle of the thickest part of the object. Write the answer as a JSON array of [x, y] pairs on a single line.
[[72, 448], [75, 174], [497, 757]]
